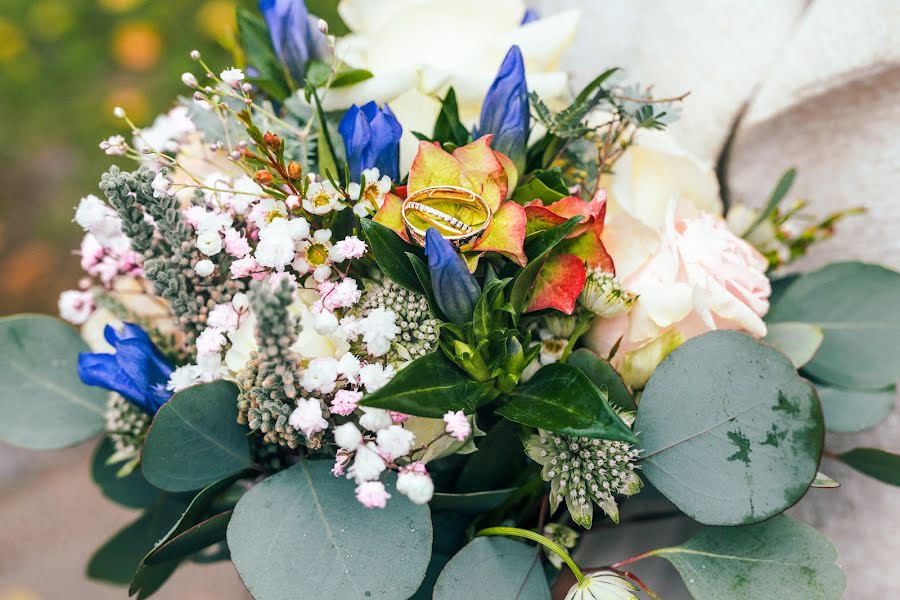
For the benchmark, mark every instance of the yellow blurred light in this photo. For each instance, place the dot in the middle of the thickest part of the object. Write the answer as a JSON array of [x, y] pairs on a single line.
[[50, 19], [131, 99], [216, 19], [136, 45], [12, 42], [19, 593], [120, 6]]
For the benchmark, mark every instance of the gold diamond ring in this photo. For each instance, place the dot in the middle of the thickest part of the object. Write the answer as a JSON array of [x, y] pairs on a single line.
[[460, 215]]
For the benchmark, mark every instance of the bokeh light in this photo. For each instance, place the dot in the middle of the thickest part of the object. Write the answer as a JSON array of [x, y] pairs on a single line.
[[136, 45]]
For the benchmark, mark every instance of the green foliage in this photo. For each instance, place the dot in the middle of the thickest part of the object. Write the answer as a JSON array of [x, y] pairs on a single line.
[[780, 558], [849, 411], [195, 439], [472, 503], [781, 189], [390, 253], [448, 129], [132, 490], [491, 568], [44, 404], [604, 376], [880, 464], [253, 36], [855, 305], [546, 186], [799, 341], [538, 251], [731, 434], [303, 525]]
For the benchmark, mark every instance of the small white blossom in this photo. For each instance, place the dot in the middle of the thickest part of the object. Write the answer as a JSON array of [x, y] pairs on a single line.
[[240, 302], [320, 376], [378, 329], [76, 306], [183, 377], [458, 426], [232, 76], [204, 268], [160, 185], [276, 248], [347, 436], [307, 417], [414, 482], [374, 376], [604, 296], [209, 243], [322, 198], [395, 441], [375, 419], [371, 198], [100, 220]]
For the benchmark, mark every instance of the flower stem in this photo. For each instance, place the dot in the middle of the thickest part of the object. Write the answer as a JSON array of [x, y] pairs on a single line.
[[544, 541]]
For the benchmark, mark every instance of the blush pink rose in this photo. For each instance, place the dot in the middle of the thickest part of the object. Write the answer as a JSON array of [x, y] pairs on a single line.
[[700, 277]]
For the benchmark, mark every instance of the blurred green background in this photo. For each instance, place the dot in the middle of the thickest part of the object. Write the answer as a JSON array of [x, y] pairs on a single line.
[[64, 65]]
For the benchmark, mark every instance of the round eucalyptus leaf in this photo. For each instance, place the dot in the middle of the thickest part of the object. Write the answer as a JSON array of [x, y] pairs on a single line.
[[855, 306], [43, 401], [301, 533], [195, 439], [488, 568], [132, 490], [780, 558], [730, 433], [848, 411]]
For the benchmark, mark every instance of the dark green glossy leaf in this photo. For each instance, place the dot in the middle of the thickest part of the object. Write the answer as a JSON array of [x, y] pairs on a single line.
[[848, 411], [731, 434], [538, 250], [301, 533], [132, 491], [545, 186], [490, 568], [348, 76], [195, 439], [856, 306], [485, 319], [561, 398], [780, 558], [44, 404], [497, 464], [196, 538], [473, 503], [448, 128], [390, 254], [604, 376], [428, 387], [254, 39], [883, 466]]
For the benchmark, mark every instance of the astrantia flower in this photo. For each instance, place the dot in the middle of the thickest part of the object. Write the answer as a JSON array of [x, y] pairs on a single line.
[[372, 494], [414, 482], [604, 296], [307, 417], [584, 471], [603, 585]]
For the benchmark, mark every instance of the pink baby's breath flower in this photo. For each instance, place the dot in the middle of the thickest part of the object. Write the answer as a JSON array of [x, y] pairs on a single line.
[[345, 402], [348, 248], [210, 341], [224, 317], [398, 417], [457, 425], [76, 306], [372, 494], [245, 267], [235, 244], [338, 295]]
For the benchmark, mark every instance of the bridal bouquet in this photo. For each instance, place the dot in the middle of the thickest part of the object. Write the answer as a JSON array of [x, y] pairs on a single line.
[[386, 318]]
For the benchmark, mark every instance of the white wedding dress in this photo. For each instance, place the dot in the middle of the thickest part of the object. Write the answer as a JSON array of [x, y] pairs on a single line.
[[816, 85]]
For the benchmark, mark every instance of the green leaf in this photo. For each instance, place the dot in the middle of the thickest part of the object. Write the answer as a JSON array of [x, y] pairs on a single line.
[[349, 76], [561, 398], [883, 466], [780, 558], [44, 404], [192, 540], [604, 376], [856, 306], [448, 128], [848, 411], [781, 189], [117, 560], [484, 318], [473, 503], [498, 463], [428, 387], [301, 533], [390, 254], [492, 568], [824, 481], [731, 434], [799, 341], [538, 251], [132, 491], [195, 439], [254, 39], [317, 73], [545, 186]]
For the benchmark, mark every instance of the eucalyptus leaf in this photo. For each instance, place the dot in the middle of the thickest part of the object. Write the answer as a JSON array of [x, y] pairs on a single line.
[[824, 481], [848, 411], [780, 558], [561, 398], [604, 376], [132, 490], [195, 439], [44, 404], [730, 433], [490, 568], [428, 387], [304, 525], [194, 539], [390, 254], [855, 305], [880, 464], [799, 341]]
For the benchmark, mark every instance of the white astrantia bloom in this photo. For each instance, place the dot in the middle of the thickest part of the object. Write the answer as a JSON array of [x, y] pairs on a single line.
[[603, 585], [395, 441], [412, 81], [604, 296]]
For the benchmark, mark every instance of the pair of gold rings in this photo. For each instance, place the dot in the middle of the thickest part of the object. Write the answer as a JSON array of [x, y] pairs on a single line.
[[460, 215]]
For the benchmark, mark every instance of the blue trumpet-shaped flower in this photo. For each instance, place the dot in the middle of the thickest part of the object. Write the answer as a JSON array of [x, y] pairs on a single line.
[[138, 371], [295, 38], [529, 16], [455, 290], [505, 112], [371, 139]]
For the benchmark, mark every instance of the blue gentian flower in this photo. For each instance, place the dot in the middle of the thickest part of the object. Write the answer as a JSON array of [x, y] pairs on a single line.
[[371, 139], [295, 38], [138, 370], [455, 290], [505, 112], [530, 15]]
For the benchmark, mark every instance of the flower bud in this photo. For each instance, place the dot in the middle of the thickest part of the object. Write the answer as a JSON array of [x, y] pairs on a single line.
[[295, 171], [119, 112], [263, 177], [603, 585], [195, 54], [604, 296], [322, 25], [272, 140], [455, 290], [189, 80]]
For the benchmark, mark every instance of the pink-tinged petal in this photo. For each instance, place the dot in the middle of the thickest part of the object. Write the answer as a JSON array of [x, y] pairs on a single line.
[[589, 248], [539, 218], [506, 234], [594, 211], [558, 284], [512, 174], [390, 215], [482, 172], [433, 166]]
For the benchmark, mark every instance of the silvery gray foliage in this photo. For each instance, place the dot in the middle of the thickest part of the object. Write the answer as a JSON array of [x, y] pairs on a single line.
[[122, 191], [267, 383]]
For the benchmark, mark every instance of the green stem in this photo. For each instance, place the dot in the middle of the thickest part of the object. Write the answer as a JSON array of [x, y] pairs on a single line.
[[544, 541]]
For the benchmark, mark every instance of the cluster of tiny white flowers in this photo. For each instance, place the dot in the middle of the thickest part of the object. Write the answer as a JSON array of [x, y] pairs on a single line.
[[604, 296]]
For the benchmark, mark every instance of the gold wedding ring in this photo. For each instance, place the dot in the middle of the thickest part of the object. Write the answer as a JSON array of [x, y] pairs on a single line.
[[460, 215]]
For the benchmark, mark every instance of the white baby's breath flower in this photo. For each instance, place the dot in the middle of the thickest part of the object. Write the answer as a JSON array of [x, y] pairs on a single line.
[[374, 376], [209, 243], [375, 419], [347, 436], [204, 268], [307, 417], [232, 76], [367, 464], [395, 441], [183, 377]]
